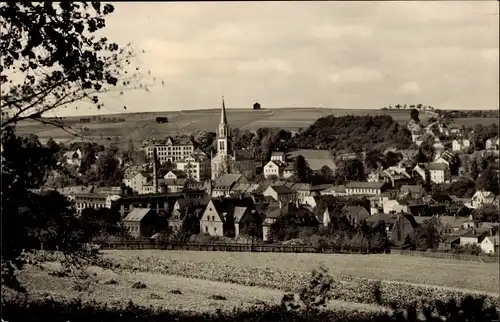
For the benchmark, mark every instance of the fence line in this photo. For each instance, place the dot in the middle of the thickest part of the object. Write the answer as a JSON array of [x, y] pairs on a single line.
[[277, 248], [225, 247], [443, 255]]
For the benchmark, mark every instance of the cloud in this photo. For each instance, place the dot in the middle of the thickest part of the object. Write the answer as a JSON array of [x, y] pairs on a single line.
[[328, 31], [356, 75], [409, 88], [298, 53]]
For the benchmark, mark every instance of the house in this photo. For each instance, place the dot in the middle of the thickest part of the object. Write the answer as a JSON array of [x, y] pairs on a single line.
[[140, 222], [449, 242], [334, 191], [256, 106], [311, 201], [149, 187], [274, 169], [305, 190], [412, 191], [355, 214], [492, 143], [172, 149], [438, 172], [281, 194], [247, 219], [162, 202], [408, 154], [73, 157], [490, 244], [224, 183], [481, 198], [392, 206], [365, 188], [472, 237], [398, 226], [196, 166], [279, 156], [396, 176], [218, 218], [460, 145], [136, 180], [91, 197], [270, 216]]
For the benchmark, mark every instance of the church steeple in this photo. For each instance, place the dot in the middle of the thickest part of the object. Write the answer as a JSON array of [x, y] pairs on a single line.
[[223, 132], [223, 117]]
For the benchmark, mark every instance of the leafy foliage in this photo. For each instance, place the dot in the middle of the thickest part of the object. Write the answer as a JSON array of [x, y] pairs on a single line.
[[352, 133], [52, 58]]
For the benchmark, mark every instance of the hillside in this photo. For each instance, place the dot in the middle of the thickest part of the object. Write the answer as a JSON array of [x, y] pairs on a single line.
[[140, 126]]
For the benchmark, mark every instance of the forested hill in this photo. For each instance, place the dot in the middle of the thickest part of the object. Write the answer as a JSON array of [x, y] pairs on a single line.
[[354, 133]]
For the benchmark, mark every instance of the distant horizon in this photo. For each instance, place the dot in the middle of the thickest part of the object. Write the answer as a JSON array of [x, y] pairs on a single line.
[[124, 112]]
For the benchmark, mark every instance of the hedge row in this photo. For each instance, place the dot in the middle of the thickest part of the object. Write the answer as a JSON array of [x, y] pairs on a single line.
[[14, 310]]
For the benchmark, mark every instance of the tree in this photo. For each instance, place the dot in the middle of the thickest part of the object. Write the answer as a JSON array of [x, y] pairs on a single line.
[[486, 213], [30, 219], [52, 58], [429, 234], [300, 168], [352, 170], [488, 180]]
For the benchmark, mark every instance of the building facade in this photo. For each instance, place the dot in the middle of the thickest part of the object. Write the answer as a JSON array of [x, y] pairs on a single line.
[[171, 149]]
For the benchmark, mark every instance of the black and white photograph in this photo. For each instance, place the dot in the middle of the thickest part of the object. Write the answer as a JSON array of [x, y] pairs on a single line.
[[250, 161]]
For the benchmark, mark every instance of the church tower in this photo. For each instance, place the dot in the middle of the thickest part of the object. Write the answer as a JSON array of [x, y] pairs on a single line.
[[223, 132]]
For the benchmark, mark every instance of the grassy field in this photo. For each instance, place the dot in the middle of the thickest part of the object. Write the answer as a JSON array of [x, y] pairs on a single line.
[[398, 268], [161, 291], [140, 126]]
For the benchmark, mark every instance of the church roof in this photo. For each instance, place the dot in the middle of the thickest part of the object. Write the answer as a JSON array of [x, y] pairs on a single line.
[[223, 117]]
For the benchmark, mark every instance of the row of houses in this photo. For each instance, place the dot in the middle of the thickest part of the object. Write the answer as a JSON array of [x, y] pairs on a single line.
[[234, 216]]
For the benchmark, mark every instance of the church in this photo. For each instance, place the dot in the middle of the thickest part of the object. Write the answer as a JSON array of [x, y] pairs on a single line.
[[229, 160]]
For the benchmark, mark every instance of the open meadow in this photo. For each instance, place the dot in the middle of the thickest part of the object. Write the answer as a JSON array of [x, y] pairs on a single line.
[[141, 126], [206, 282], [456, 274], [160, 290]]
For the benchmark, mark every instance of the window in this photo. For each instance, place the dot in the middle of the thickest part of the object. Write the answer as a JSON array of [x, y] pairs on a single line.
[[215, 230], [206, 229]]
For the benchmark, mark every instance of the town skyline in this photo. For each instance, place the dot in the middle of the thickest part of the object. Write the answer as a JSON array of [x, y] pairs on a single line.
[[337, 55]]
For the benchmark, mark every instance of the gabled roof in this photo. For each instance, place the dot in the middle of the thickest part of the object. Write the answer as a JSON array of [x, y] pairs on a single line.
[[365, 185], [352, 210], [436, 166], [137, 214], [282, 190], [338, 189], [242, 154], [238, 213], [495, 240], [175, 182], [226, 180]]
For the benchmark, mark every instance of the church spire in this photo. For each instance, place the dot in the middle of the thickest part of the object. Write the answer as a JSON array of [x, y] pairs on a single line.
[[223, 118]]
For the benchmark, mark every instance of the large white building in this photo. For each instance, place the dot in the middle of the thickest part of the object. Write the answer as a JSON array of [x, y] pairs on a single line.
[[171, 149], [196, 166], [228, 160]]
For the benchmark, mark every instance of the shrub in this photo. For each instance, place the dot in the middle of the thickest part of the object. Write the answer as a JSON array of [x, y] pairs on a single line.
[[217, 297], [139, 285], [175, 292]]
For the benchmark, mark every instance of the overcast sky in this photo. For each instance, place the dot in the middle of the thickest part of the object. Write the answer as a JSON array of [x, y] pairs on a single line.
[[352, 55]]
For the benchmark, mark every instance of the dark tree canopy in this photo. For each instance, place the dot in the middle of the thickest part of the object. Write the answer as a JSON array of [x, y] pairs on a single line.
[[52, 57]]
